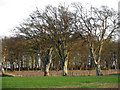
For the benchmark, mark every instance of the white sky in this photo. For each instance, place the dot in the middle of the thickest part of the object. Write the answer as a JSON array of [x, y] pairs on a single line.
[[12, 12]]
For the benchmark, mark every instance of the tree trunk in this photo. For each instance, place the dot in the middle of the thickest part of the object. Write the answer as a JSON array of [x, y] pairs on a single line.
[[41, 64], [36, 62], [33, 62], [64, 62], [11, 66], [97, 60], [2, 69], [47, 62], [98, 70], [6, 66], [19, 66], [64, 68], [97, 63], [27, 63], [46, 71]]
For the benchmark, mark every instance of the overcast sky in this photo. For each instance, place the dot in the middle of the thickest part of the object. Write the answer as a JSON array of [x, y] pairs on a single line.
[[12, 12]]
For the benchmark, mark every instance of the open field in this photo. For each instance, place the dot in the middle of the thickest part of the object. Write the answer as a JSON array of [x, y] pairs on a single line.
[[106, 81]]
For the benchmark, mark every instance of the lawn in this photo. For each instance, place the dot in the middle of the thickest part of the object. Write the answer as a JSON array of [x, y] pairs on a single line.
[[59, 81]]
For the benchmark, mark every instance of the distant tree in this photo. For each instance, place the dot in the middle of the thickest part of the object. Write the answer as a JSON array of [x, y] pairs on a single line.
[[13, 50]]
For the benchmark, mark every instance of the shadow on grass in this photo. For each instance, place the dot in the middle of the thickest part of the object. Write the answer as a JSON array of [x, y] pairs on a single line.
[[5, 75], [114, 74]]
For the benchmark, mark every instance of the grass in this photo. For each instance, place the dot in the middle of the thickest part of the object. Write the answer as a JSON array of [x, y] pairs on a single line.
[[56, 81]]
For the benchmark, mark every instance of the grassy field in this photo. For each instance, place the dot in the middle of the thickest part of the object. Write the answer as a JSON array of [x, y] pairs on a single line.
[[60, 81]]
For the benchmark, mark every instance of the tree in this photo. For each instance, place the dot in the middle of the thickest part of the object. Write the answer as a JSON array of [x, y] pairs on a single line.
[[1, 59], [57, 24], [38, 40], [97, 26], [13, 51]]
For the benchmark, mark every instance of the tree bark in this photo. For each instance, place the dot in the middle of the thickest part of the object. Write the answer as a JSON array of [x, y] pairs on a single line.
[[36, 62], [47, 66], [2, 69], [64, 68], [6, 66], [11, 66], [98, 70], [33, 62], [47, 62], [19, 66], [96, 60], [97, 63], [65, 64], [27, 63]]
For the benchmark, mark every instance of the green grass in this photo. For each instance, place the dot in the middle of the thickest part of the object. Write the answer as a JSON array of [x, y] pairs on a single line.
[[60, 81]]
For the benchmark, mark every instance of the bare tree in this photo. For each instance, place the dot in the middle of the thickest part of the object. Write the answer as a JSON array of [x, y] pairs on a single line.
[[97, 26], [57, 23], [38, 41]]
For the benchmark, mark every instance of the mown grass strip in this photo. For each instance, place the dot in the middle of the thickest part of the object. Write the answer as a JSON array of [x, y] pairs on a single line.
[[39, 82]]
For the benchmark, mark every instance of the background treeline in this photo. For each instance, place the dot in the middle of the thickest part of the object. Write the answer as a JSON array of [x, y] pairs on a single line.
[[64, 38], [18, 56]]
